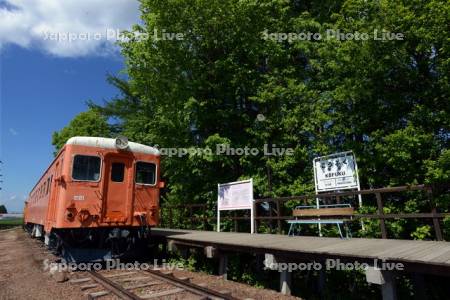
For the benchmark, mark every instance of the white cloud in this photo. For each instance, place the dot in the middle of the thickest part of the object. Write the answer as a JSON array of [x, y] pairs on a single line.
[[38, 23], [12, 131], [13, 197]]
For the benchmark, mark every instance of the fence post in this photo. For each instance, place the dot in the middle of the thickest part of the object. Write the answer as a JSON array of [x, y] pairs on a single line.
[[235, 221], [278, 216], [269, 203], [380, 215], [436, 225], [191, 216]]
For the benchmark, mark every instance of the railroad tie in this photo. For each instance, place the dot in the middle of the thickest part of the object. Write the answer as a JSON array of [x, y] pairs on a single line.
[[162, 294], [133, 279], [118, 275], [184, 278], [88, 286], [167, 273], [143, 285], [80, 280], [95, 295], [225, 292]]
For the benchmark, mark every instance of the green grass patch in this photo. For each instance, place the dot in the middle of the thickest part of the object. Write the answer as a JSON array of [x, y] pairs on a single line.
[[11, 222]]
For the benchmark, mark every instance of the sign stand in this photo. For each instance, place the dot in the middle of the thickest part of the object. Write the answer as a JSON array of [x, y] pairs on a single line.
[[236, 196]]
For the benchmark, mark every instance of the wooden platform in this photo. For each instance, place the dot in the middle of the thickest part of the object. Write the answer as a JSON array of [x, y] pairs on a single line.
[[417, 256]]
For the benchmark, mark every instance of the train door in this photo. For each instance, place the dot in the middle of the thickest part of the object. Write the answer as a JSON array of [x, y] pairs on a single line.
[[53, 197], [117, 189]]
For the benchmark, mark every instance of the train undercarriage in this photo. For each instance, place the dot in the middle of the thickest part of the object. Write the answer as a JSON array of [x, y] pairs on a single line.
[[96, 244]]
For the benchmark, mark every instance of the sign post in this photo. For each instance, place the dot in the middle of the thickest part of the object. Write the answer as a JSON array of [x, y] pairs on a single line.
[[336, 172], [235, 196]]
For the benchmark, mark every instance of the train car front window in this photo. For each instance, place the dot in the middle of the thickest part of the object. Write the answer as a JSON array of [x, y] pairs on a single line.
[[145, 173], [117, 172], [86, 168]]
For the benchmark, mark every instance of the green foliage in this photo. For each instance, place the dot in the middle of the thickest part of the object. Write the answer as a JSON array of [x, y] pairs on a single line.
[[438, 171], [446, 228], [385, 100], [186, 263], [388, 101], [405, 152], [422, 232], [89, 123], [3, 209]]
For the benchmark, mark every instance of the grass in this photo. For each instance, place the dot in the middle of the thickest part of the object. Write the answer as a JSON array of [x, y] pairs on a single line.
[[11, 222]]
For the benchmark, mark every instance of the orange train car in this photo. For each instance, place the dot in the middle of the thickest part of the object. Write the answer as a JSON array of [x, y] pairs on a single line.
[[97, 199]]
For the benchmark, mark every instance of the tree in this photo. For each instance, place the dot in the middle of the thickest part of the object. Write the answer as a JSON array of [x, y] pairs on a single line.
[[316, 96], [89, 123], [3, 209], [387, 100]]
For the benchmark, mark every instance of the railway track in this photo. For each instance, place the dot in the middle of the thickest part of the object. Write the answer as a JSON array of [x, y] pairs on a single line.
[[149, 284], [140, 284]]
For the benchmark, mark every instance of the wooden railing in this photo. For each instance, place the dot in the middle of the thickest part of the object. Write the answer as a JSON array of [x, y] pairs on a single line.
[[196, 215]]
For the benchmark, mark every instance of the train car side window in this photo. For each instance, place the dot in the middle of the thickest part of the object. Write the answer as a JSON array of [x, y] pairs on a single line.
[[145, 173], [48, 186], [86, 168], [117, 172], [51, 181]]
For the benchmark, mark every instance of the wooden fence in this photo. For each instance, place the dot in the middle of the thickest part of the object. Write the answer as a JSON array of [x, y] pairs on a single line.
[[277, 212]]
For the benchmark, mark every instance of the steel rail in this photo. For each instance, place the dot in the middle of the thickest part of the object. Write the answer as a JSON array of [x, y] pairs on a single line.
[[113, 287], [191, 287], [122, 293]]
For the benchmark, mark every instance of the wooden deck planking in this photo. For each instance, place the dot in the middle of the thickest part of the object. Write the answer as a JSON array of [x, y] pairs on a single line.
[[403, 249], [374, 249], [440, 256], [425, 252], [436, 254]]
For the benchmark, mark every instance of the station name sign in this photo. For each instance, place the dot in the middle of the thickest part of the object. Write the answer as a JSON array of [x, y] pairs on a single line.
[[336, 172]]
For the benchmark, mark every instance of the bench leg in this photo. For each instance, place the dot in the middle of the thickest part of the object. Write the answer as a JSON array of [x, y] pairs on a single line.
[[290, 229], [298, 229], [340, 232], [295, 229], [348, 233]]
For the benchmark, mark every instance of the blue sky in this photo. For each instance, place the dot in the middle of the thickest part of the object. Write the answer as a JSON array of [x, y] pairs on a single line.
[[44, 84]]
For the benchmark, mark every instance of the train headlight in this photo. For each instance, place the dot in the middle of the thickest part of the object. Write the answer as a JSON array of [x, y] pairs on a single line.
[[71, 212], [121, 142]]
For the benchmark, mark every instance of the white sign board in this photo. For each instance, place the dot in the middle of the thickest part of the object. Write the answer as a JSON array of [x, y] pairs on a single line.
[[336, 172], [234, 196]]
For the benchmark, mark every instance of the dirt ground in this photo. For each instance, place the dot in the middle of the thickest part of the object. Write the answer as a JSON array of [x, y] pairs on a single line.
[[238, 290], [21, 270], [22, 274]]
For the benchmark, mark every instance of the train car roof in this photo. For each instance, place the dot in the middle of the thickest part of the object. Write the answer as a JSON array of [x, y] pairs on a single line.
[[100, 142], [109, 143]]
